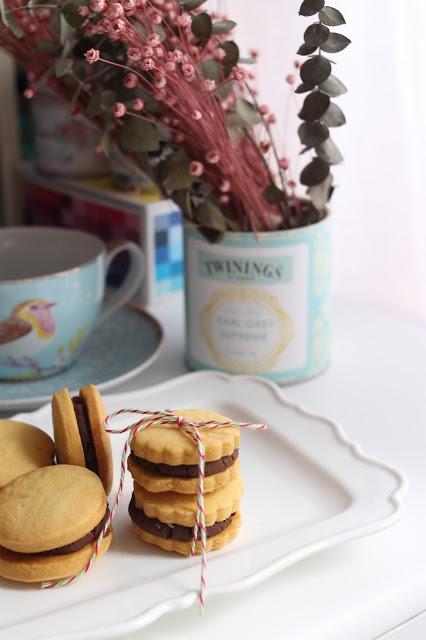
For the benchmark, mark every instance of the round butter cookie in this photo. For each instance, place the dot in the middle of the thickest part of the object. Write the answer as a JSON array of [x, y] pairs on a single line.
[[180, 508], [157, 483], [183, 547], [49, 508], [80, 437], [50, 520], [23, 448]]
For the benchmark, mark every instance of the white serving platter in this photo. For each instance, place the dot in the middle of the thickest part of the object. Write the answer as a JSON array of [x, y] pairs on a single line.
[[307, 488]]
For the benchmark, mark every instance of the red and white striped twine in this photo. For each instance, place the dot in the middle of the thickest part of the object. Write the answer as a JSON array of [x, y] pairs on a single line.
[[191, 429]]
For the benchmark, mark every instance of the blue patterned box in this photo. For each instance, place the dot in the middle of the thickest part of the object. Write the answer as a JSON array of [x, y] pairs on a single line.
[[93, 205]]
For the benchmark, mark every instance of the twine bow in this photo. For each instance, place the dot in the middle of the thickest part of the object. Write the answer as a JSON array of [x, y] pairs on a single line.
[[191, 429]]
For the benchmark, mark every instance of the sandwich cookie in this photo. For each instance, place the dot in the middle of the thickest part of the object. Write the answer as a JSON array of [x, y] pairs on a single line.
[[50, 519], [23, 448], [164, 458], [167, 519], [80, 436]]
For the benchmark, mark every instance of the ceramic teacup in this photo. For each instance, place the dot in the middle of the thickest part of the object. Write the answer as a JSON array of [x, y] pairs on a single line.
[[52, 286]]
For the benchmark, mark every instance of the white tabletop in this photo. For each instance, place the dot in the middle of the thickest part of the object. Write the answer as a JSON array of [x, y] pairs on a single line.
[[376, 389]]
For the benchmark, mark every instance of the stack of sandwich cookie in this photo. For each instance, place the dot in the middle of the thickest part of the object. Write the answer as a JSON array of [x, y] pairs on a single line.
[[80, 437], [50, 520], [164, 465]]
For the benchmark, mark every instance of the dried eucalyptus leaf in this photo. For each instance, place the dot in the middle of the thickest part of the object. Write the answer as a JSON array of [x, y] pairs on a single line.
[[175, 172], [329, 152], [138, 136], [182, 197], [314, 71], [211, 69], [316, 34], [210, 216], [314, 173], [334, 116], [248, 61], [108, 99], [223, 26], [46, 46], [320, 193], [311, 7], [14, 27], [94, 107], [273, 194], [302, 88], [335, 43], [63, 66], [72, 16], [105, 142], [202, 26], [331, 17], [312, 134], [189, 5], [304, 50], [314, 106], [247, 112], [333, 87], [231, 58]]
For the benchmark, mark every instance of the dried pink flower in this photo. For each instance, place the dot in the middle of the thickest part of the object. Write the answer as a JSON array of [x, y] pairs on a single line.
[[197, 115], [119, 26], [264, 109], [147, 52], [176, 55], [219, 54], [115, 10], [159, 52], [225, 186], [265, 145], [138, 104], [196, 168], [184, 21], [148, 64], [29, 93], [134, 54], [209, 85], [239, 74], [153, 40], [119, 110], [284, 163], [98, 6], [224, 199], [297, 64], [213, 157], [130, 81], [170, 66], [129, 6], [92, 56], [179, 137], [290, 79], [160, 82], [156, 18], [83, 11], [254, 53], [271, 119], [188, 71], [291, 184]]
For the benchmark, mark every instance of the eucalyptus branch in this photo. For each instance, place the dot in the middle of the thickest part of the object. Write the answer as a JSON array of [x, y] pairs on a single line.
[[318, 112]]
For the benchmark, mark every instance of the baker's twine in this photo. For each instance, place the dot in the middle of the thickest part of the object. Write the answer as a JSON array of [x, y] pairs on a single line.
[[191, 429]]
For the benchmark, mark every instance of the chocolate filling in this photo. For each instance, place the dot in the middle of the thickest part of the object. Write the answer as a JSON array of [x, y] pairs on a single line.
[[186, 470], [171, 531], [78, 544], [85, 434]]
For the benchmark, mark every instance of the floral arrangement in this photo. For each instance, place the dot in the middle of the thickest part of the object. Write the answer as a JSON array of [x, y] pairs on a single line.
[[164, 80]]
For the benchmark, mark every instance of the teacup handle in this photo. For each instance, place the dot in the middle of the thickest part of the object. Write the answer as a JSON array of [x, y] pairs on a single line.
[[131, 282]]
